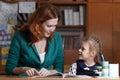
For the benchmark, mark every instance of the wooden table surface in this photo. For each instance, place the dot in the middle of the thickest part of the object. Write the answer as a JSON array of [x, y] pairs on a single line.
[[4, 77]]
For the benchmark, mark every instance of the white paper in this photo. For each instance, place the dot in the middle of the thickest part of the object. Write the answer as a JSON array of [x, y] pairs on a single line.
[[0, 5], [27, 7], [9, 7], [114, 70], [8, 13]]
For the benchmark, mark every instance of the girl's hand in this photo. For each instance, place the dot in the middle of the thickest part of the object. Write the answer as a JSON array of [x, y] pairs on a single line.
[[30, 71]]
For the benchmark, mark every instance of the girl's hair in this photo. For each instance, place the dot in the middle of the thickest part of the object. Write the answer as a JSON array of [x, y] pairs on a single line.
[[42, 14], [95, 44]]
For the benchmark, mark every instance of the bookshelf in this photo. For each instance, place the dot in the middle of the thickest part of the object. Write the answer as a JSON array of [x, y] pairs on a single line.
[[6, 32]]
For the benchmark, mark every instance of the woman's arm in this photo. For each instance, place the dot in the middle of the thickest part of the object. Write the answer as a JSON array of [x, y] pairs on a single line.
[[13, 55], [27, 70], [59, 60], [18, 70]]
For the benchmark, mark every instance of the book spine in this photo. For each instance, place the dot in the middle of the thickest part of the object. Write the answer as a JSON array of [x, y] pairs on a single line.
[[70, 13], [76, 18], [66, 16], [81, 11]]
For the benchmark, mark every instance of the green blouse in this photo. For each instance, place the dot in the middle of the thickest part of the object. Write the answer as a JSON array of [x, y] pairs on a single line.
[[23, 54]]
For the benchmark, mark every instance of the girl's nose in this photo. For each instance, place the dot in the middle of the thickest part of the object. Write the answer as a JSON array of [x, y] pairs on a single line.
[[79, 51]]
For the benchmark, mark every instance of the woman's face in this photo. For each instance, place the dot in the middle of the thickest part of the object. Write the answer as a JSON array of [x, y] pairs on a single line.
[[49, 27], [84, 52]]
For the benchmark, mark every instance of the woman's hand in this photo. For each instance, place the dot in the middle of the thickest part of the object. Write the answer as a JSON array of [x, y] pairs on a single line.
[[44, 72], [30, 71]]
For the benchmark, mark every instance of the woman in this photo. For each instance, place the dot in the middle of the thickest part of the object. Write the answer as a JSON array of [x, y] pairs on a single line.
[[36, 49]]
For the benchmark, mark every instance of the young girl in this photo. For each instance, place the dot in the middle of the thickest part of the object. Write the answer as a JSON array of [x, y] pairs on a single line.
[[88, 57]]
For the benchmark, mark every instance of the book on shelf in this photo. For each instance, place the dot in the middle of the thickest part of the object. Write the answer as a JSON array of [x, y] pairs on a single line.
[[76, 18], [73, 15], [65, 17], [62, 75], [82, 14], [72, 40], [70, 14]]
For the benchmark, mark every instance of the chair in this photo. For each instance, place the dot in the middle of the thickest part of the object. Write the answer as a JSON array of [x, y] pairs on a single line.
[[101, 57]]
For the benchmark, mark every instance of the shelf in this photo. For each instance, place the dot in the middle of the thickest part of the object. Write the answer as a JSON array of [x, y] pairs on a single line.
[[70, 28], [69, 50], [2, 72], [2, 68], [70, 31], [14, 1], [62, 2], [51, 1]]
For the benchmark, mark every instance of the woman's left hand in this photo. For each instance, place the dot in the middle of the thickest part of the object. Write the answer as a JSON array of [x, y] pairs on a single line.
[[44, 72]]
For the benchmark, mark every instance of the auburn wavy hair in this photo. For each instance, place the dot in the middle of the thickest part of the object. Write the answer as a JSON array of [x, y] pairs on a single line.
[[42, 14]]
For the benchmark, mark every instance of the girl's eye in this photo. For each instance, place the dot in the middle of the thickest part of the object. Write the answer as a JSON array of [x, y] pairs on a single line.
[[82, 48]]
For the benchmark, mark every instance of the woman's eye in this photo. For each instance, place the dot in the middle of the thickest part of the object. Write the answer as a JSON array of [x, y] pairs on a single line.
[[50, 25]]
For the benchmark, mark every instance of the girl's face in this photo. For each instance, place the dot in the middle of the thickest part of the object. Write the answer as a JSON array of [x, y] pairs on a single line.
[[49, 27], [84, 51]]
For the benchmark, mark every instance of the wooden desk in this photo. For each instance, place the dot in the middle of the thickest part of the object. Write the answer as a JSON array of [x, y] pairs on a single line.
[[3, 77]]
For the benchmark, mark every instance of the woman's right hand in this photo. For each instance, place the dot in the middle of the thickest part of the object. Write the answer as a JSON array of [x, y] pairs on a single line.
[[30, 71]]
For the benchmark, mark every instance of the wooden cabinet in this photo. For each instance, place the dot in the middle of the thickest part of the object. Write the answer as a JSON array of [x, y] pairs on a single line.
[[116, 1], [103, 20], [116, 32], [116, 17], [99, 22]]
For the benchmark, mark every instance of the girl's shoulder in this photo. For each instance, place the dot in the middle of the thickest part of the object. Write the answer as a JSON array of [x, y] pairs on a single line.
[[97, 64], [79, 61], [74, 64]]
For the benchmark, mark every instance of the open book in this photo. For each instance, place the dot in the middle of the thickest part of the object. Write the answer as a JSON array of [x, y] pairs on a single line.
[[63, 75]]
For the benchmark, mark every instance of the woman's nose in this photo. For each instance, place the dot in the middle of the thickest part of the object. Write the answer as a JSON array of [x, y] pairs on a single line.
[[52, 29]]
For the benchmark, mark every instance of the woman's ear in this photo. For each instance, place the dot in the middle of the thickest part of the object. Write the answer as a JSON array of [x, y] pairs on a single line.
[[37, 29]]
